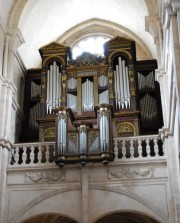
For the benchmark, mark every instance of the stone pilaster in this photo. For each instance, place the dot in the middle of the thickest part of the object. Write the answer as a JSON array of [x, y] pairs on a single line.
[[85, 195]]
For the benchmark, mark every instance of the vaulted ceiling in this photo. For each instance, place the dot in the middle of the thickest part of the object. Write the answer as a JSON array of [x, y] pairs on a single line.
[[65, 21]]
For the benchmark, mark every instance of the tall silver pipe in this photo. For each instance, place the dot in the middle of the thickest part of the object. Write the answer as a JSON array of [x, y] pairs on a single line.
[[121, 82]]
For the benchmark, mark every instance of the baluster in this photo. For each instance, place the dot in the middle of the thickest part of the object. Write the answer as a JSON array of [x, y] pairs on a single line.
[[156, 149], [10, 157], [53, 152], [32, 148], [116, 148], [140, 149], [16, 155], [47, 153], [39, 153], [131, 148], [148, 151], [163, 149], [123, 149], [24, 155]]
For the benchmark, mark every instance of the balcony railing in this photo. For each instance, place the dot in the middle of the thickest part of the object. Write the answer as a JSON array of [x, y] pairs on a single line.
[[136, 148]]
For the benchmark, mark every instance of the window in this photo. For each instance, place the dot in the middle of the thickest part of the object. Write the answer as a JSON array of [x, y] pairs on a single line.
[[91, 44]]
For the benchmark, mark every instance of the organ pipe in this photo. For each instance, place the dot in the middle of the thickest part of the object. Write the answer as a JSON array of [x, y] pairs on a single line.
[[87, 96], [149, 112], [104, 128], [146, 82], [72, 102], [53, 97], [102, 80], [83, 138], [35, 90], [121, 85], [33, 116], [104, 97], [61, 132]]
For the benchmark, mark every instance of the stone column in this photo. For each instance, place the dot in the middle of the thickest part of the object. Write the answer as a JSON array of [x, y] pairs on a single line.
[[85, 195], [3, 179], [8, 89]]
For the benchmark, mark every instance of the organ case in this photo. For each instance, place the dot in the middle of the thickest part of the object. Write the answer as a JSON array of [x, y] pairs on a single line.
[[87, 85]]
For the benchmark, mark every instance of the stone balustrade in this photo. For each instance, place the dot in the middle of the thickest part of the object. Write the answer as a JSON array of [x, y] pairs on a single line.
[[138, 147], [126, 148]]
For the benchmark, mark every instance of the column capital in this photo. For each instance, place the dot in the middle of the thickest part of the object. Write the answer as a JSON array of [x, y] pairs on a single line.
[[152, 25], [176, 6]]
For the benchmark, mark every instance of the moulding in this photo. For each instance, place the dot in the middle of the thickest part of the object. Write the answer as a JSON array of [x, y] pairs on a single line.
[[18, 109], [175, 6], [167, 13], [2, 25], [19, 59], [10, 84], [6, 143]]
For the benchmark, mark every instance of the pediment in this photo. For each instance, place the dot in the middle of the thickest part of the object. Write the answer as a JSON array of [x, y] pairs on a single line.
[[53, 48], [118, 40]]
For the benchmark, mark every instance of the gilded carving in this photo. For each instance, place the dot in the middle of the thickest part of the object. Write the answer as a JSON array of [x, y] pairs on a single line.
[[73, 138], [122, 51], [91, 137], [125, 128], [86, 59], [49, 133]]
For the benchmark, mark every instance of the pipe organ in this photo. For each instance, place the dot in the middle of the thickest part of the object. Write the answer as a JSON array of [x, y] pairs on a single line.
[[86, 102]]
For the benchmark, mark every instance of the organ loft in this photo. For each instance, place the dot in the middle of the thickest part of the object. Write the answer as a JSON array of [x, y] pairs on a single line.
[[83, 103]]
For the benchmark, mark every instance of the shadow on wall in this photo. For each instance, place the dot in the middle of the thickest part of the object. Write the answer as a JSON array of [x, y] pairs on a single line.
[[126, 217], [49, 218]]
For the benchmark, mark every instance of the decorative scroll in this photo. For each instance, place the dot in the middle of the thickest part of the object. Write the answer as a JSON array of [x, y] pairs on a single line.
[[44, 177], [87, 96], [121, 85], [131, 173], [53, 97], [146, 82]]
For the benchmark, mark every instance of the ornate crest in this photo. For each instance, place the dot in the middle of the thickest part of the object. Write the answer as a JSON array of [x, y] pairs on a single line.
[[87, 59]]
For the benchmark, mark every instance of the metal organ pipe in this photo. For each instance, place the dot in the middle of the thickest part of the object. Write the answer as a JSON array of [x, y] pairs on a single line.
[[121, 78], [87, 96], [53, 96], [104, 129], [62, 129], [83, 138]]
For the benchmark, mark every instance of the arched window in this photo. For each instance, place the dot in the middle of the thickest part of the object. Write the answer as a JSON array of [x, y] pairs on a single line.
[[91, 44]]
